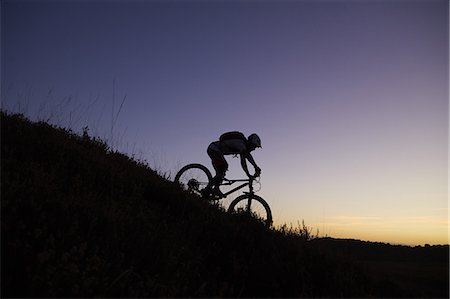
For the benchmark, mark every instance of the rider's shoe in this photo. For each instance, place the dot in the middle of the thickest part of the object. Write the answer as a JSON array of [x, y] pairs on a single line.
[[206, 193], [212, 194], [217, 194]]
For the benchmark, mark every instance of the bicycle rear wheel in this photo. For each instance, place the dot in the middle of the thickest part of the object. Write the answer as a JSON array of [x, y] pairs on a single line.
[[193, 178], [252, 205]]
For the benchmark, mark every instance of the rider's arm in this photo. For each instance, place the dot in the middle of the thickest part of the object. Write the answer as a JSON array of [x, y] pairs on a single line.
[[249, 157], [244, 165]]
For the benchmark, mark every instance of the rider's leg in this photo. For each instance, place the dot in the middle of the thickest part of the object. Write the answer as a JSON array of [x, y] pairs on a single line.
[[216, 181], [220, 166]]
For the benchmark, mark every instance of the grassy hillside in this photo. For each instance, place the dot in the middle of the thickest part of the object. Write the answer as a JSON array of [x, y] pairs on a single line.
[[79, 220]]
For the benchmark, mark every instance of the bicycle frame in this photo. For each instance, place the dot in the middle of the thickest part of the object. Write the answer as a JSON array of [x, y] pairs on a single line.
[[260, 207], [227, 182]]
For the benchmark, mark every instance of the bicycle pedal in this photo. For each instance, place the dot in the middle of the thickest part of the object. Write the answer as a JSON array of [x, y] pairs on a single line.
[[213, 198]]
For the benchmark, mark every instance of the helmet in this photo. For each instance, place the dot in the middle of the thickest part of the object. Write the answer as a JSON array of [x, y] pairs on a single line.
[[255, 140]]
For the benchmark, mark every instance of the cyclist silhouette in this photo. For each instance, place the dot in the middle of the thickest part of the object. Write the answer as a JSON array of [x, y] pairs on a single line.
[[231, 143]]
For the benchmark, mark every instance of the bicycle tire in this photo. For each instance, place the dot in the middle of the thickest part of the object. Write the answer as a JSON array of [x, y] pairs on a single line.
[[194, 166], [267, 218]]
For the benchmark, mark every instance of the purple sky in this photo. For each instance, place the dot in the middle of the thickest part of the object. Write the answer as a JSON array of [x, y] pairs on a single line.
[[350, 98]]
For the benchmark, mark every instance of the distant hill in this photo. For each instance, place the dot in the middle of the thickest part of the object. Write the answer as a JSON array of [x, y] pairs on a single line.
[[80, 220], [377, 251], [398, 271]]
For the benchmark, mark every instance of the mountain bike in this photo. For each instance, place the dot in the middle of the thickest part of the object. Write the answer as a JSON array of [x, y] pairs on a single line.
[[195, 177]]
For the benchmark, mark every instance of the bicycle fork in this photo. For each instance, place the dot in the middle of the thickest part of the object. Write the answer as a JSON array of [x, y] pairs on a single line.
[[249, 201], [250, 197]]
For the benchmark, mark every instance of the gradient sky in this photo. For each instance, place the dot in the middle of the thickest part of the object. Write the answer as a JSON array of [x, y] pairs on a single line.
[[350, 98]]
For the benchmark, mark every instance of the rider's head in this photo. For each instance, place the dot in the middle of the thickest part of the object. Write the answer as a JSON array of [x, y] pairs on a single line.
[[254, 141]]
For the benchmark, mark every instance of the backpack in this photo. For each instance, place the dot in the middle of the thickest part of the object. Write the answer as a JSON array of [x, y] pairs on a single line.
[[232, 135]]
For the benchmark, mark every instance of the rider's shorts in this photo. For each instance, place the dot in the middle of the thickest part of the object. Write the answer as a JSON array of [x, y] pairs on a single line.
[[218, 160]]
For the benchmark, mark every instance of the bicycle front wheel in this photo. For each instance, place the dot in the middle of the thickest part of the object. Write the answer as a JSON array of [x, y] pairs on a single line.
[[193, 178], [252, 205]]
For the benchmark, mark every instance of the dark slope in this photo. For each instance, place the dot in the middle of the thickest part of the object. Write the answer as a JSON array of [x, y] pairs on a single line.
[[396, 270], [81, 221]]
